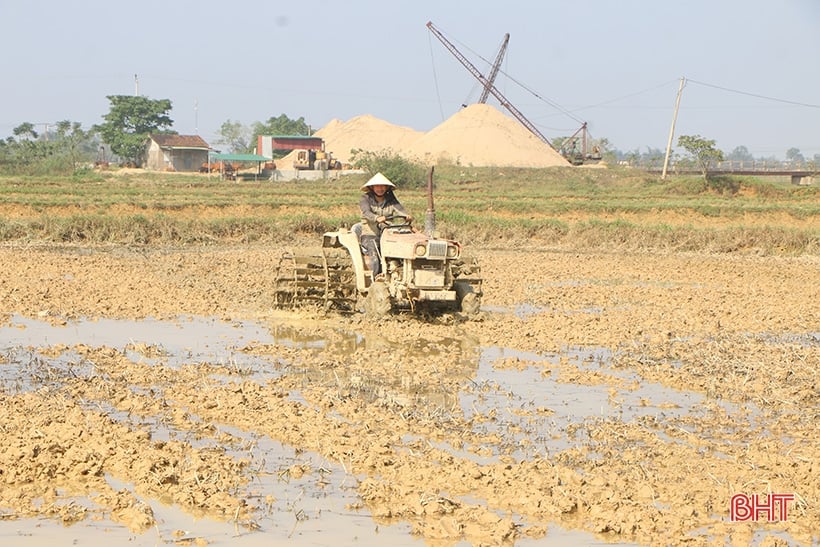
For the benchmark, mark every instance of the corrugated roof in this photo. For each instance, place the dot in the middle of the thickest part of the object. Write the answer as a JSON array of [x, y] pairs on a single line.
[[239, 157], [296, 137], [180, 141]]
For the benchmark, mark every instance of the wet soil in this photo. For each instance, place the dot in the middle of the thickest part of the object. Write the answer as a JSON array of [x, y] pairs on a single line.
[[624, 396]]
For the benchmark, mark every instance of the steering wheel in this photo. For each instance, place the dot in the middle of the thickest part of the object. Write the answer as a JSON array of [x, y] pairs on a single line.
[[404, 221], [397, 221]]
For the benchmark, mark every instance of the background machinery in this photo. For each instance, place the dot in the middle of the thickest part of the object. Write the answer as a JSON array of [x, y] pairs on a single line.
[[489, 86], [309, 154], [574, 149]]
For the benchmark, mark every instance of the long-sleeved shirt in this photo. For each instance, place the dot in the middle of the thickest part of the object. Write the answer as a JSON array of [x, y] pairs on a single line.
[[371, 209]]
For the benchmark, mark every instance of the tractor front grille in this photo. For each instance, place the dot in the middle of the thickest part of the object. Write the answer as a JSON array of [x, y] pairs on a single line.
[[437, 249]]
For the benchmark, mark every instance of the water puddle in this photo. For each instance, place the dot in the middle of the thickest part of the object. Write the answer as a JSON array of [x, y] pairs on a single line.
[[531, 408]]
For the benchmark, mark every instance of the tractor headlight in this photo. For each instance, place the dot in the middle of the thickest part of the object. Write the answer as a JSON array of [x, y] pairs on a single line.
[[420, 250], [452, 251]]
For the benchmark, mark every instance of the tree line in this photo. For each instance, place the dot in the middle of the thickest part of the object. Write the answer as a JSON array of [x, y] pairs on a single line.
[[66, 148]]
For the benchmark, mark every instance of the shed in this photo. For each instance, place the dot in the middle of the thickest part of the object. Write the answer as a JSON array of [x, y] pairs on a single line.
[[228, 165], [266, 144], [184, 153]]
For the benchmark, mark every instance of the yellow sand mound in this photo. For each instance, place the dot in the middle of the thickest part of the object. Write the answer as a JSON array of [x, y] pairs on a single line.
[[478, 135]]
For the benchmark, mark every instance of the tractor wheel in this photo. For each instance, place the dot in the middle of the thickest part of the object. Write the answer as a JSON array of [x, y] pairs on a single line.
[[469, 300], [326, 279], [377, 302]]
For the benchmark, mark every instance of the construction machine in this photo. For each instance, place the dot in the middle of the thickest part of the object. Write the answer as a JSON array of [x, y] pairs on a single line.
[[580, 155], [310, 153], [315, 160], [421, 272]]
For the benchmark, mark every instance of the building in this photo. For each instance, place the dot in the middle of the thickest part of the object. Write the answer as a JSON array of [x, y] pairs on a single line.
[[186, 153]]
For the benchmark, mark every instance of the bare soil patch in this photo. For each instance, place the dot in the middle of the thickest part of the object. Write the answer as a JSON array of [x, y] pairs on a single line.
[[625, 395]]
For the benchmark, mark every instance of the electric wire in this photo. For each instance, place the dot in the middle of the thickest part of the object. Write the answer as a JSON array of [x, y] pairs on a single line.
[[435, 77], [786, 101], [571, 112]]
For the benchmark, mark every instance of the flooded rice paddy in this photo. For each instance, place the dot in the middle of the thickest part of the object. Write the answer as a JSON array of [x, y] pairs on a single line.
[[38, 356], [624, 408]]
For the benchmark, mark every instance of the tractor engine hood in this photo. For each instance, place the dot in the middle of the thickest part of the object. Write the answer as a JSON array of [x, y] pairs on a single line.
[[410, 245]]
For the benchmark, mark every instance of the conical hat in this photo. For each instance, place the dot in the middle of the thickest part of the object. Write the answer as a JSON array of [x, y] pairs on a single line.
[[377, 179]]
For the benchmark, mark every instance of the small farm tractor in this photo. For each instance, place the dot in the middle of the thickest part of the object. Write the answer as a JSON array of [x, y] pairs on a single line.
[[421, 272]]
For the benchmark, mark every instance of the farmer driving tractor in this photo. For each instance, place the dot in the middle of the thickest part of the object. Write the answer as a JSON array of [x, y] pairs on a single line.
[[378, 205]]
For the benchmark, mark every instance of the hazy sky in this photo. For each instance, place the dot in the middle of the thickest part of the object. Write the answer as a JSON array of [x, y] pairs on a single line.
[[752, 66]]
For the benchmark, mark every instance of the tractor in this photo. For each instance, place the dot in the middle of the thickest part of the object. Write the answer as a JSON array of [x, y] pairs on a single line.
[[421, 272]]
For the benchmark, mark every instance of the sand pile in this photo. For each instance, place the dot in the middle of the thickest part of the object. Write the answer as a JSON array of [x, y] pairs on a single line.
[[479, 135], [366, 133]]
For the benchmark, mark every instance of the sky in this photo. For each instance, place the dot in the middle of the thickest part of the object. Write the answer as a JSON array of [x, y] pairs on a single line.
[[751, 68]]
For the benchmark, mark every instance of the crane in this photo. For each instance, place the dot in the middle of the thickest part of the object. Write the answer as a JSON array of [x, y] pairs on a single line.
[[569, 148], [494, 70], [488, 85]]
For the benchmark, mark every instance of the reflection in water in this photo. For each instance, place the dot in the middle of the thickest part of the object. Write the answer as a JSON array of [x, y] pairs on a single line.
[[298, 510], [531, 409], [401, 390], [531, 402]]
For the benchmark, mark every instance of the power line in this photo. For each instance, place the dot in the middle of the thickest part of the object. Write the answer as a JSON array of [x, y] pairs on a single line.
[[634, 94], [797, 103], [435, 77]]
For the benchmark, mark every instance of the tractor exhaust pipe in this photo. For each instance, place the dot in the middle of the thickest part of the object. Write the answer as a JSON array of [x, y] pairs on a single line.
[[430, 216]]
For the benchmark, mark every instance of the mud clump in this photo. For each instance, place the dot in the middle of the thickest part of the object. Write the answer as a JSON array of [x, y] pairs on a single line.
[[626, 396]]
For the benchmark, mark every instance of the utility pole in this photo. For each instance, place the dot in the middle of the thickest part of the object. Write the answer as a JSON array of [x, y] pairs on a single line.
[[672, 129]]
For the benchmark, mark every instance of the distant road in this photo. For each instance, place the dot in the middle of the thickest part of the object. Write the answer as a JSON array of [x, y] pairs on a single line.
[[757, 169]]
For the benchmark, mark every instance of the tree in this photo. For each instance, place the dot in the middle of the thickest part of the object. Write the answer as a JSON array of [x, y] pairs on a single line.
[[653, 157], [558, 142], [74, 144], [25, 131], [281, 126], [129, 122], [702, 151], [400, 170], [793, 155], [27, 147], [740, 153], [62, 150], [236, 136]]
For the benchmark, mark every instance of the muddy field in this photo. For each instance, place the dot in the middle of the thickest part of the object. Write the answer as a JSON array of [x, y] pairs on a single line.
[[155, 397]]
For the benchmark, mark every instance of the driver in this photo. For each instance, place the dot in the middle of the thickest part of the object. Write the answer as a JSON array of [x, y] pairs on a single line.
[[378, 204]]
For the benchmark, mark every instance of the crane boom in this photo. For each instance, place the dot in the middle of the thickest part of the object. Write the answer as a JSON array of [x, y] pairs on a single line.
[[488, 85], [494, 70]]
